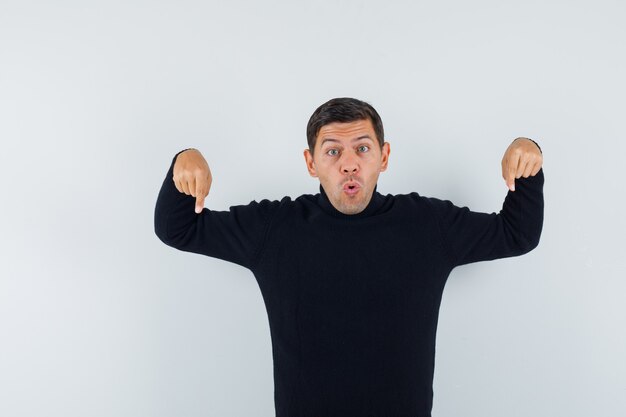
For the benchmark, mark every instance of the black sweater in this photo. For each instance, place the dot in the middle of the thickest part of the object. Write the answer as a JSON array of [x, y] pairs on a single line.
[[352, 300]]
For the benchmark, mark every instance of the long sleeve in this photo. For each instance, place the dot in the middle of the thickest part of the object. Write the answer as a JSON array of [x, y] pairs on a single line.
[[470, 236], [235, 235]]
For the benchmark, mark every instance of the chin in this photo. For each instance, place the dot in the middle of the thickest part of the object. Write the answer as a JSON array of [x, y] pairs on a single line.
[[353, 209]]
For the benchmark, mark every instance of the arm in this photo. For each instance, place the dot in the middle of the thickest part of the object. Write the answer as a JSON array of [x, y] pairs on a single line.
[[472, 236], [235, 235]]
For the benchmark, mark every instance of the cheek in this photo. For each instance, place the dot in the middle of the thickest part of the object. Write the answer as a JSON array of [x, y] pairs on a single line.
[[324, 164]]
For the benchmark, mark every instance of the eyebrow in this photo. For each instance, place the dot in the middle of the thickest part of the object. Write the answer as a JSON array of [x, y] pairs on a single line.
[[353, 140]]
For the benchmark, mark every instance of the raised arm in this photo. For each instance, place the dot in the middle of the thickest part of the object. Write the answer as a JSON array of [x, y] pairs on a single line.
[[182, 222], [470, 236]]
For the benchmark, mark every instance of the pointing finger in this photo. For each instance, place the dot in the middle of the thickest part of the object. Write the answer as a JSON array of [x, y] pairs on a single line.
[[505, 170], [200, 196], [199, 204], [512, 171]]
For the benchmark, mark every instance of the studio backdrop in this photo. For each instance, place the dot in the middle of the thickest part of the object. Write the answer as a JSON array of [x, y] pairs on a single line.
[[99, 318]]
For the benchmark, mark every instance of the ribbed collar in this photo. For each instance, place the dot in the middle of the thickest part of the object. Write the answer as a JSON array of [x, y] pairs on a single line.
[[375, 203]]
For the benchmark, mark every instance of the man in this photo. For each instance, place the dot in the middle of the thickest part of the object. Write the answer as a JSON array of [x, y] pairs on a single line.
[[351, 279]]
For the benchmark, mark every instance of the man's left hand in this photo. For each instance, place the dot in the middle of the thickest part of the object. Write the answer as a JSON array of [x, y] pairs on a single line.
[[522, 159]]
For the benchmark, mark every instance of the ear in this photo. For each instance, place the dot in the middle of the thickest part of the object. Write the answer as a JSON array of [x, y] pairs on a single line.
[[310, 163], [384, 161]]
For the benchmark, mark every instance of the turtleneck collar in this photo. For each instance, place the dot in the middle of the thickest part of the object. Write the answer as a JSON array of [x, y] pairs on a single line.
[[374, 204]]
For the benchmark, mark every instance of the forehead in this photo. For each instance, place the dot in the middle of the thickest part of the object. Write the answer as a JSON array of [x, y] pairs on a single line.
[[346, 131]]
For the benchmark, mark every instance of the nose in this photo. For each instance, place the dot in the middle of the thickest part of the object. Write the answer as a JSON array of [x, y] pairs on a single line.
[[349, 165]]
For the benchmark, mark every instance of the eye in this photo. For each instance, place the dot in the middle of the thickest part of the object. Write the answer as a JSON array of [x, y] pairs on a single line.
[[364, 146], [330, 150]]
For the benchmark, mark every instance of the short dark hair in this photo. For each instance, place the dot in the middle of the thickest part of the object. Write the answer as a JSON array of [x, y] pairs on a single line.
[[344, 110]]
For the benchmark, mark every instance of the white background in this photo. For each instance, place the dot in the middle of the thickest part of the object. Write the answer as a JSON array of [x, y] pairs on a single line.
[[99, 318]]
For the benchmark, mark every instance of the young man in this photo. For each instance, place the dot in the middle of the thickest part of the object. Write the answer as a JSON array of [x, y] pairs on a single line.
[[351, 279]]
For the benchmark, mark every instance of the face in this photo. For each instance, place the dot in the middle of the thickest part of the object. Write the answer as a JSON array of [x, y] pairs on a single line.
[[347, 160]]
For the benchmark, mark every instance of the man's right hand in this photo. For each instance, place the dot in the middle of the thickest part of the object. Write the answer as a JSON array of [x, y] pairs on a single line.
[[192, 176]]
